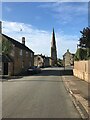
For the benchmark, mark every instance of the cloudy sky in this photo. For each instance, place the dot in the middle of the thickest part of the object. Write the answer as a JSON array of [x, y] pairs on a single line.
[[35, 21]]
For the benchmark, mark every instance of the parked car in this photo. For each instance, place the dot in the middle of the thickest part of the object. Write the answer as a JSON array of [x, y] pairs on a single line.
[[34, 70], [30, 70]]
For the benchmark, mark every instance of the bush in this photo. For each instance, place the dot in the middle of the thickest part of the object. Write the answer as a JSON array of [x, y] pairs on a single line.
[[81, 54]]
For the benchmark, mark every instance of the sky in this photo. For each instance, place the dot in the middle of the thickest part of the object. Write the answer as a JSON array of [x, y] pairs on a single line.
[[36, 20]]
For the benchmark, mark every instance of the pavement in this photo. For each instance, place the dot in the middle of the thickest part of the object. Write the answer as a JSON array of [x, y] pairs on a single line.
[[79, 89]]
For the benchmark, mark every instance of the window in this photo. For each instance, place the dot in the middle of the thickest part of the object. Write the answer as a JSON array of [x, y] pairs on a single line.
[[30, 63], [38, 58], [26, 53], [31, 55], [21, 52]]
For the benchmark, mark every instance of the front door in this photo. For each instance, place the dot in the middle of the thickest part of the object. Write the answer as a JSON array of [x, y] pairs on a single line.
[[5, 69]]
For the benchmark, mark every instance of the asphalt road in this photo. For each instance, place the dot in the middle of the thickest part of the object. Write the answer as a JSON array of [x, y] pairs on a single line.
[[38, 96]]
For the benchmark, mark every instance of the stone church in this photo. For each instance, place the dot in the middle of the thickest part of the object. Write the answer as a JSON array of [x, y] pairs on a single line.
[[53, 50]]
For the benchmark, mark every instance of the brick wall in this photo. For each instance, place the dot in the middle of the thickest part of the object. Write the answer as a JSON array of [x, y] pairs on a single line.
[[82, 70]]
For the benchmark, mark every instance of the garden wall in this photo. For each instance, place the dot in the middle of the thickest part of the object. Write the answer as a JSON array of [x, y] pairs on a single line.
[[82, 70]]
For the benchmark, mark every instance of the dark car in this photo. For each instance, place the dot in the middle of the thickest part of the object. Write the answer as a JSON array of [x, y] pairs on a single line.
[[33, 70], [36, 69], [30, 71]]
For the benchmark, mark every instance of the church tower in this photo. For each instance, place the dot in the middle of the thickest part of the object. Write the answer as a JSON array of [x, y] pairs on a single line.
[[53, 50]]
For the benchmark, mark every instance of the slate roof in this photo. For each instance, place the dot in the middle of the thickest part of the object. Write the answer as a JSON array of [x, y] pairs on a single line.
[[69, 53], [43, 56], [17, 44]]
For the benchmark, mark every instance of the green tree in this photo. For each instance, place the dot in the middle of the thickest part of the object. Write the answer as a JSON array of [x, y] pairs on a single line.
[[81, 54], [59, 62], [84, 41], [6, 46]]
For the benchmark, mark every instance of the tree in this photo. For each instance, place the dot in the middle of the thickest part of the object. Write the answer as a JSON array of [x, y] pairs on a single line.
[[81, 54], [59, 62], [84, 41], [6, 46]]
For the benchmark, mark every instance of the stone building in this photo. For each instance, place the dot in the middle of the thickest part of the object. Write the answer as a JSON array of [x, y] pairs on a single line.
[[47, 61], [68, 59], [53, 50], [41, 60], [16, 56]]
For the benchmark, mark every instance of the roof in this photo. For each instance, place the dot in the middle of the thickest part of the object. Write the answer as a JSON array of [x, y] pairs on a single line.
[[43, 56], [5, 58], [17, 44], [68, 53]]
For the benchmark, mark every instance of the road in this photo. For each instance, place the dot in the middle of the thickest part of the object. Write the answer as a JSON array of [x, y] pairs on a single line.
[[38, 96]]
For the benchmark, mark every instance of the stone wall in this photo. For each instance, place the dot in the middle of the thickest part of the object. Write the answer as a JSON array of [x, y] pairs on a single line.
[[82, 70], [23, 61]]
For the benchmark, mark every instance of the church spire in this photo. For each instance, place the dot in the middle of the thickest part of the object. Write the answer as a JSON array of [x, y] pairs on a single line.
[[53, 50], [53, 38]]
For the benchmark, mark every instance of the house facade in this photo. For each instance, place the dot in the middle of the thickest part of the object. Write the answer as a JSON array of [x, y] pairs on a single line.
[[68, 59], [16, 56], [41, 60]]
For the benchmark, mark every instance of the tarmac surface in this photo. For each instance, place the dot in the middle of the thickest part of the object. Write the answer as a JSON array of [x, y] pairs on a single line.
[[39, 96]]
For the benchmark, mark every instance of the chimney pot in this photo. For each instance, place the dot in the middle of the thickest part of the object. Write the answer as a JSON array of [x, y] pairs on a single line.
[[23, 40]]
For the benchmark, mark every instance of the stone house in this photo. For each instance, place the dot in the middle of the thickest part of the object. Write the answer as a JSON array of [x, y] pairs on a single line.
[[18, 58], [68, 59], [41, 60], [47, 61]]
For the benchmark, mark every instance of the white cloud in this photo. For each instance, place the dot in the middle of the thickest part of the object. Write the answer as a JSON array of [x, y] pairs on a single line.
[[67, 12], [39, 40]]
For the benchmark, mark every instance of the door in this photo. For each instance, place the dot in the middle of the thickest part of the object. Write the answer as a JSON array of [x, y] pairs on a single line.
[[5, 69]]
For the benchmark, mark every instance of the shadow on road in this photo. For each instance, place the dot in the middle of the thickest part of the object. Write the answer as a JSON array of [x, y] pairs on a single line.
[[55, 73], [45, 72], [50, 73], [67, 72], [5, 78]]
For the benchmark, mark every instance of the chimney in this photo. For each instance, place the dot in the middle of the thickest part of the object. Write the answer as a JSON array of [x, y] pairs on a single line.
[[0, 27], [23, 40], [67, 50]]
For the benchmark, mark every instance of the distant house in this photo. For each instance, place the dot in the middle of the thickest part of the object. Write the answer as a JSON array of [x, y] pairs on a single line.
[[16, 56], [68, 59], [41, 60], [47, 61]]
